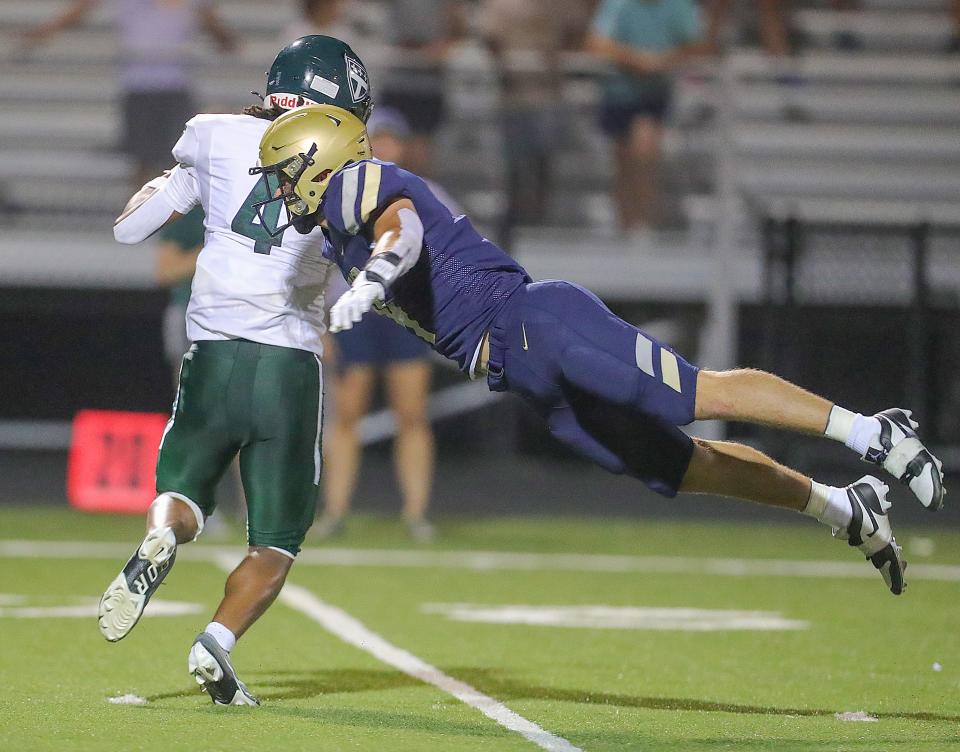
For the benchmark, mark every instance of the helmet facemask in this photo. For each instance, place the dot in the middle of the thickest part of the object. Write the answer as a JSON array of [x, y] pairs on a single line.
[[299, 154], [280, 183]]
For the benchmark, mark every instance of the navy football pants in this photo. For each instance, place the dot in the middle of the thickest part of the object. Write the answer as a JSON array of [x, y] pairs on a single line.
[[606, 389]]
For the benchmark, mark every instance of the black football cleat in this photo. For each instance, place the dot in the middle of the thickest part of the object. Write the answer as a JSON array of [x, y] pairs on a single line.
[[899, 451], [210, 665], [123, 602], [870, 531]]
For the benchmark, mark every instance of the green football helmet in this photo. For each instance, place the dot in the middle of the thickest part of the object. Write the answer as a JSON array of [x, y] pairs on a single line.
[[299, 153], [317, 69]]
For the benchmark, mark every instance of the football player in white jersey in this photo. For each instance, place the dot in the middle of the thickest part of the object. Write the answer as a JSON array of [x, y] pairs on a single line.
[[251, 383]]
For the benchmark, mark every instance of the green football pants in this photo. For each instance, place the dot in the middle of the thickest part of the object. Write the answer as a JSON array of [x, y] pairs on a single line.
[[264, 402]]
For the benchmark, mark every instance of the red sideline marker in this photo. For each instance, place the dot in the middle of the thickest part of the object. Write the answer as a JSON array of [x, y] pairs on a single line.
[[112, 462]]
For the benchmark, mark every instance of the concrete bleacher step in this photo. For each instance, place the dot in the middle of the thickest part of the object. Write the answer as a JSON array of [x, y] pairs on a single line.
[[854, 104], [102, 46], [69, 257], [52, 87], [703, 212], [86, 128], [79, 221], [912, 5], [42, 83], [244, 16], [876, 213], [848, 142], [103, 196], [56, 164], [894, 30], [864, 180], [836, 67]]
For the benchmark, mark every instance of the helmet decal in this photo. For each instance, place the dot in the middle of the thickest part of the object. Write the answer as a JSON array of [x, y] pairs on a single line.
[[357, 76], [286, 101], [325, 86]]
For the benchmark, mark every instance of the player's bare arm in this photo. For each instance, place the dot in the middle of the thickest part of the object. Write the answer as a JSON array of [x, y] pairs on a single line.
[[70, 17]]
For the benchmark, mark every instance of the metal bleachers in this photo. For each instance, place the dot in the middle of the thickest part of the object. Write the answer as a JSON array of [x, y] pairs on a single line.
[[893, 29], [869, 125], [64, 129]]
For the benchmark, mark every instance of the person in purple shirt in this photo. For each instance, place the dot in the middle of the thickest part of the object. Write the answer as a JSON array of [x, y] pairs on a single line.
[[606, 389], [157, 45]]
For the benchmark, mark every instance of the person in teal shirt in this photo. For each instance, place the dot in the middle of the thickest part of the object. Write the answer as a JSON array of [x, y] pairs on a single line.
[[645, 41], [178, 246]]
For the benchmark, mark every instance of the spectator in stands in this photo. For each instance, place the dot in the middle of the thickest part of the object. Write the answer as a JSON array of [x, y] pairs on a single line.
[[773, 25], [526, 39], [843, 38], [155, 41], [645, 41], [379, 344], [423, 33], [953, 46], [332, 18], [178, 246]]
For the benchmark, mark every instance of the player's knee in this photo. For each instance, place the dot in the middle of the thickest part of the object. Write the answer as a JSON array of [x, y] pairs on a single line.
[[703, 451], [176, 511], [702, 460], [274, 562]]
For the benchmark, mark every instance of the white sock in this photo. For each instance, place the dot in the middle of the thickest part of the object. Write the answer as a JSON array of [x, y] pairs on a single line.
[[829, 505], [853, 429], [224, 637]]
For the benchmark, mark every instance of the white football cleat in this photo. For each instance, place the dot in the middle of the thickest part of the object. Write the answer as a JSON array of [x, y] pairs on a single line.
[[123, 602], [898, 451], [870, 531], [210, 665]]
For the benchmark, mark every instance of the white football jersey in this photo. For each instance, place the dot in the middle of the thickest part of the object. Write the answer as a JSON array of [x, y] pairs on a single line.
[[247, 284]]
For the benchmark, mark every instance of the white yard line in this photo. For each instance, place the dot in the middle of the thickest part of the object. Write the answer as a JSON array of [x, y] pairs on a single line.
[[353, 632], [503, 560]]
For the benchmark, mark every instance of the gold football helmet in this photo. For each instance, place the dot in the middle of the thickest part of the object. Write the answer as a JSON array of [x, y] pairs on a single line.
[[299, 153]]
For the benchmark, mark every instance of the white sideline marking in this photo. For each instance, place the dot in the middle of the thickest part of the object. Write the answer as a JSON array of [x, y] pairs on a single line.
[[494, 560], [617, 617], [350, 630], [14, 607]]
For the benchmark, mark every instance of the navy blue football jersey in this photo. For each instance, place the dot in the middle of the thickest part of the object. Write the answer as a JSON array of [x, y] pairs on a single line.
[[461, 279]]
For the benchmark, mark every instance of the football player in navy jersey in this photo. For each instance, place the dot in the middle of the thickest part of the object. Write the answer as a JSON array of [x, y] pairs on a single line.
[[605, 388]]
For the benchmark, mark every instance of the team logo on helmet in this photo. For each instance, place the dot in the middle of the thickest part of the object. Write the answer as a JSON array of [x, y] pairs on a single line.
[[357, 77]]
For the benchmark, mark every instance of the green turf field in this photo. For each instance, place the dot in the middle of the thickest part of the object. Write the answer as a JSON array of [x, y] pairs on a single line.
[[685, 681]]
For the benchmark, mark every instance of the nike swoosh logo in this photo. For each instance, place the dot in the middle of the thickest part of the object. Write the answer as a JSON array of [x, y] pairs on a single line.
[[524, 330], [869, 511]]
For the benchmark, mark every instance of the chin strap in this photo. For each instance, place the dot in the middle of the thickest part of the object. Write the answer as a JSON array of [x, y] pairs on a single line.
[[386, 266], [305, 225]]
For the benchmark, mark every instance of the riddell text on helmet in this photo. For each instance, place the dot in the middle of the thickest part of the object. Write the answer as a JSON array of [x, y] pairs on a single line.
[[286, 101]]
